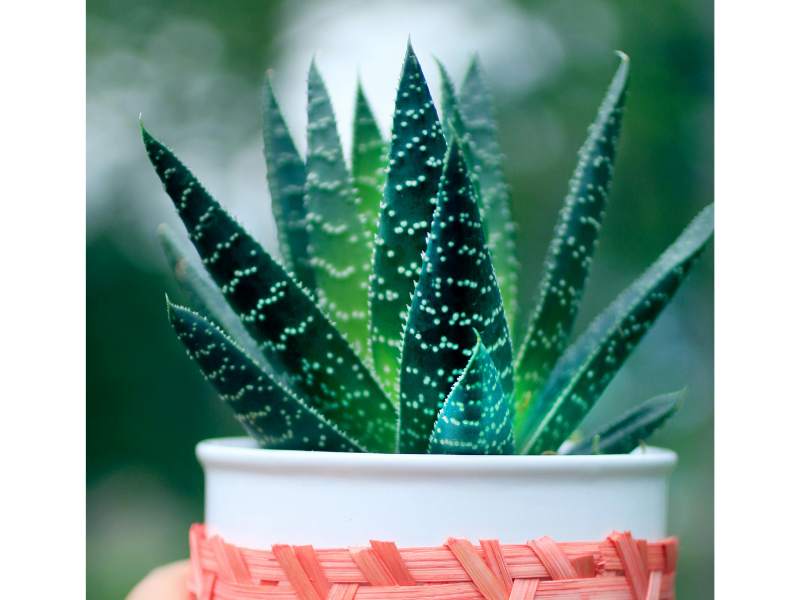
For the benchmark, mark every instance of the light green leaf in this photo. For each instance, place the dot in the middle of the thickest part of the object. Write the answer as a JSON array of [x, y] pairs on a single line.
[[340, 255], [457, 294], [571, 249], [626, 433], [297, 339], [486, 159], [369, 159], [416, 152], [270, 413], [476, 416], [286, 176], [587, 367]]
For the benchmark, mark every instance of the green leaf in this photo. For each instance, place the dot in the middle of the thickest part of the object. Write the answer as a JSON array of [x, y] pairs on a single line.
[[297, 339], [286, 176], [455, 129], [270, 413], [340, 254], [369, 159], [635, 426], [452, 120], [477, 111], [450, 111], [476, 417], [456, 295], [201, 291], [571, 249], [587, 367], [416, 153]]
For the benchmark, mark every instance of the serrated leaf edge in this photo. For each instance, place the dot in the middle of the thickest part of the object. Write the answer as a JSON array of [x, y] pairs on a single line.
[[277, 383]]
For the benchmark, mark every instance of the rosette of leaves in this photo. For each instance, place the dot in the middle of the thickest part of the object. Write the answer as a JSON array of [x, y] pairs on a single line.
[[384, 324]]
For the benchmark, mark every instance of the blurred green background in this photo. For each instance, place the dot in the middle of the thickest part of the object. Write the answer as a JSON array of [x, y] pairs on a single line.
[[194, 70]]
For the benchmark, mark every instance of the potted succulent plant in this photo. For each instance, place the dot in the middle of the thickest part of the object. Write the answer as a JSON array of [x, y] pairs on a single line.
[[373, 365]]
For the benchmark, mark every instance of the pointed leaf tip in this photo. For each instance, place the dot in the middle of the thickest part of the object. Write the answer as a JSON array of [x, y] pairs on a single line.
[[456, 293], [369, 157], [635, 426], [340, 256], [313, 69], [451, 113], [286, 177], [474, 122], [476, 415], [585, 369], [267, 82], [571, 250], [270, 412], [294, 336], [416, 156]]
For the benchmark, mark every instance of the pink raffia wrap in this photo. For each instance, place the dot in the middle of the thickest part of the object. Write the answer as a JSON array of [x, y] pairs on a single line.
[[616, 568]]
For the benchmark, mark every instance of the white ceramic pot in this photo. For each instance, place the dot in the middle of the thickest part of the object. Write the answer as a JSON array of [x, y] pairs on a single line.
[[256, 497]]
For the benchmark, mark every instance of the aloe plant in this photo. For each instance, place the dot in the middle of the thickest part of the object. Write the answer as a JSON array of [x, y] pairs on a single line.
[[385, 324]]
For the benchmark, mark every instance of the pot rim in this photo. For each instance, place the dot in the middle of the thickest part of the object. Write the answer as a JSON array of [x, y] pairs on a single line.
[[242, 453]]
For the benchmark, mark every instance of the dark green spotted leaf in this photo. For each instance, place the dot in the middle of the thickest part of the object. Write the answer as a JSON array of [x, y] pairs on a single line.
[[587, 367], [201, 291], [340, 254], [369, 158], [635, 426], [476, 416], [457, 294], [416, 152], [477, 111], [270, 413], [286, 176], [571, 249], [297, 339]]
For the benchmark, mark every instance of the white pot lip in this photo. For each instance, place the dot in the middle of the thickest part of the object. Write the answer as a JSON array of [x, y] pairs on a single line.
[[243, 453]]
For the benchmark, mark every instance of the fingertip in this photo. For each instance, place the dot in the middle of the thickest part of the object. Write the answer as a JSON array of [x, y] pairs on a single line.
[[167, 582]]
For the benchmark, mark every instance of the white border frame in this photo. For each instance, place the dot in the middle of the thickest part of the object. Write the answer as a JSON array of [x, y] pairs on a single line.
[[42, 256], [757, 326]]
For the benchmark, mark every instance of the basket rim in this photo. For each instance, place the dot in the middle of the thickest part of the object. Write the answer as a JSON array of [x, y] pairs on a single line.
[[618, 564], [226, 452]]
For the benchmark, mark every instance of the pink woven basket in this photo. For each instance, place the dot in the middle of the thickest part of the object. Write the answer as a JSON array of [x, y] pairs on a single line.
[[617, 568]]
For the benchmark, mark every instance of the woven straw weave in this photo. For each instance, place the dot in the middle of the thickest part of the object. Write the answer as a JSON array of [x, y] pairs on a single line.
[[617, 568]]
